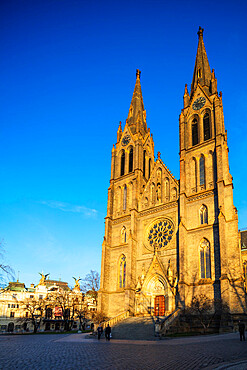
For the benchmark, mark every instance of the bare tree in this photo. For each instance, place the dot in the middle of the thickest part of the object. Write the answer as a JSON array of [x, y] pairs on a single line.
[[5, 270], [91, 284], [206, 309], [35, 309]]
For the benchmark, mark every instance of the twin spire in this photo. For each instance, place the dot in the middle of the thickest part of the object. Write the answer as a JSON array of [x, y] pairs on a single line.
[[137, 114], [202, 72]]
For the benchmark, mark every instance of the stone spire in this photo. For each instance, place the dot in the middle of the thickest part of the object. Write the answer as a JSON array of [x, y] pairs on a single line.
[[137, 114], [202, 72]]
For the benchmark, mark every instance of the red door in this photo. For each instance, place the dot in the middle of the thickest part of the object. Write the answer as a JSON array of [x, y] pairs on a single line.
[[159, 305]]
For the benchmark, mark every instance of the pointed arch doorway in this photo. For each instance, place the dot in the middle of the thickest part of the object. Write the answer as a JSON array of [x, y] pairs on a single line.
[[155, 289]]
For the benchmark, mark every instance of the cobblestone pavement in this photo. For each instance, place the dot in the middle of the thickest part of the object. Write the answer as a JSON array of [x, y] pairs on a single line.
[[60, 351]]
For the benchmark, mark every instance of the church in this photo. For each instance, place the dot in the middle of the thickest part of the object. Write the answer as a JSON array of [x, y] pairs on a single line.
[[168, 240]]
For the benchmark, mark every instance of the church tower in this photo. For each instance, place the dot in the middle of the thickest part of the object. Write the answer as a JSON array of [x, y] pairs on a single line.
[[209, 252], [131, 165]]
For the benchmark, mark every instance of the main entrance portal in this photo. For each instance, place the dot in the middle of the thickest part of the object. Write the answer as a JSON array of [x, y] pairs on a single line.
[[159, 305]]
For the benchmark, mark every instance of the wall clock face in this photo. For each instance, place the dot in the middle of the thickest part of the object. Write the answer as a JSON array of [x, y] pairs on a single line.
[[199, 103], [126, 140]]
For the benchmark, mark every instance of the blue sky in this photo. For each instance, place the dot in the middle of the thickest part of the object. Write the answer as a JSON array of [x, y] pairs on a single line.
[[67, 77]]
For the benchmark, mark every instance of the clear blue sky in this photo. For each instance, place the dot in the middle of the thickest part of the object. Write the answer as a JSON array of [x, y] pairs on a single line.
[[67, 77]]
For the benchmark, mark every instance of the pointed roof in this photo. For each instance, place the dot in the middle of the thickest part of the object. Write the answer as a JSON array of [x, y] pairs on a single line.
[[137, 114], [202, 72]]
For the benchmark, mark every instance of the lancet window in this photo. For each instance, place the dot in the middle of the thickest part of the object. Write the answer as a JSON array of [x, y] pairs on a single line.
[[131, 160], [122, 272], [203, 215], [205, 262], [122, 163], [206, 127], [194, 131], [144, 163], [123, 235], [125, 198], [202, 170]]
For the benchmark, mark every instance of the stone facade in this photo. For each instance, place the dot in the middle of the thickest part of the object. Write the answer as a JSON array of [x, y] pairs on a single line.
[[168, 240]]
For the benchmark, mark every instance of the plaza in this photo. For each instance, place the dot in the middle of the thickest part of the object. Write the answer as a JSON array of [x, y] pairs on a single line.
[[74, 351]]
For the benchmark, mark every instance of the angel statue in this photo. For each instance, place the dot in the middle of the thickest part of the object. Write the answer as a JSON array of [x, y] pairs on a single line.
[[43, 278], [77, 285]]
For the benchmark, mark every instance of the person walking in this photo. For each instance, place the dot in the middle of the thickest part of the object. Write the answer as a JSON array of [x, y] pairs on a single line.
[[241, 328], [108, 332], [100, 331]]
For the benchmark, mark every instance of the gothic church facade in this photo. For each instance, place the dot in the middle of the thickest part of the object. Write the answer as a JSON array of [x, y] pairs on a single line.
[[167, 240]]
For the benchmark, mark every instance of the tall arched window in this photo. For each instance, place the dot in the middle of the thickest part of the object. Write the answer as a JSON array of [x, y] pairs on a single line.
[[149, 168], [144, 163], [122, 271], [193, 174], [131, 160], [125, 198], [203, 215], [202, 170], [205, 261], [123, 235], [167, 188], [122, 163], [206, 127], [194, 131]]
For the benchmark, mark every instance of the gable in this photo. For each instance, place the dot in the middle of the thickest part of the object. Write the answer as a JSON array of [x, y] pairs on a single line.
[[162, 187]]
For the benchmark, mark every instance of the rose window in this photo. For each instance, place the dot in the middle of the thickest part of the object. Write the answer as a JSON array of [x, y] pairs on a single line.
[[160, 233]]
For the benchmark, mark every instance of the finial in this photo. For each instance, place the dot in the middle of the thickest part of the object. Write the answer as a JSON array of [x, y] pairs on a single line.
[[138, 73], [120, 124], [159, 154], [200, 32]]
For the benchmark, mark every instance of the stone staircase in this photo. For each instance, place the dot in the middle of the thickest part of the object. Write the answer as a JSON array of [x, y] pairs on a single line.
[[136, 328]]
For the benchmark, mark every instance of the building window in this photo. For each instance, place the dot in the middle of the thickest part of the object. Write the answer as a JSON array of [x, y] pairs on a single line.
[[12, 314], [131, 160], [40, 297], [122, 163], [203, 215], [122, 272], [9, 305], [194, 132], [125, 198], [124, 235], [206, 127], [205, 259], [13, 306], [144, 163], [202, 170], [149, 168]]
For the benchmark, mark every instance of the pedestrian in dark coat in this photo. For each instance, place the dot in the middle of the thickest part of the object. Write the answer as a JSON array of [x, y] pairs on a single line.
[[241, 328], [100, 331], [108, 332]]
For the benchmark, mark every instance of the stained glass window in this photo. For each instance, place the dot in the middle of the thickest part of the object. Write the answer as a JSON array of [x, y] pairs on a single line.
[[160, 233]]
